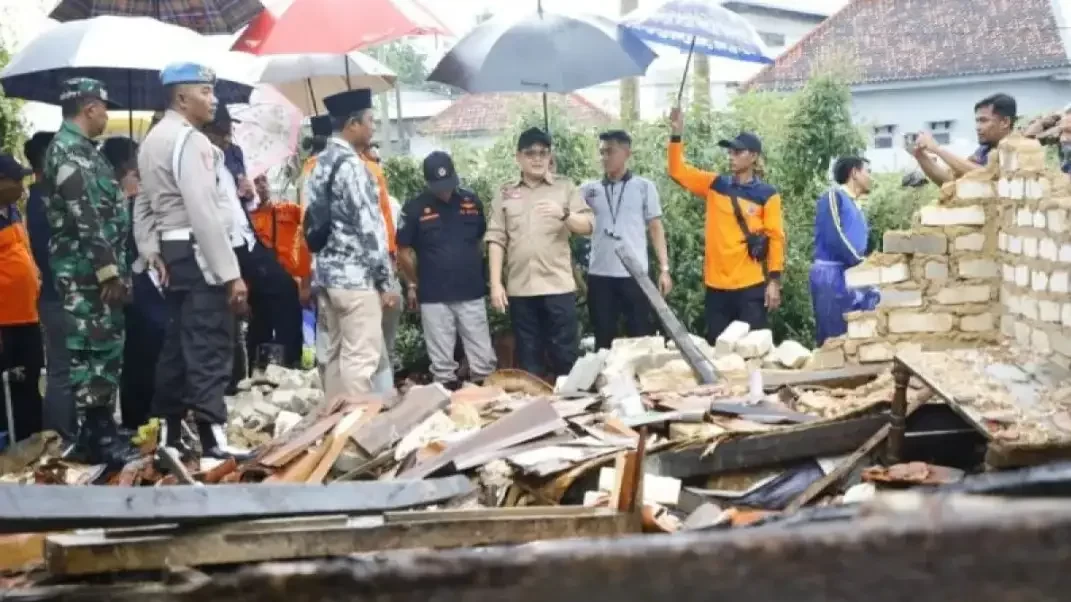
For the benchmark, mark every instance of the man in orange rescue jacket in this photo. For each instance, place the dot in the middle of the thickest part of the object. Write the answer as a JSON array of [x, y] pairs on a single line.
[[745, 234]]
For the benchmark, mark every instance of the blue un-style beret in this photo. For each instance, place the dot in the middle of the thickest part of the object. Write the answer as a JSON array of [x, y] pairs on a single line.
[[187, 73]]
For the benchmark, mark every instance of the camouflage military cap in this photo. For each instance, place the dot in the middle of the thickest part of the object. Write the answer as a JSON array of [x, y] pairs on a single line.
[[84, 87]]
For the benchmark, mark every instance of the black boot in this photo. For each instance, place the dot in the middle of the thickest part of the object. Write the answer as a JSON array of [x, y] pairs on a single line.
[[98, 441], [171, 436], [214, 443]]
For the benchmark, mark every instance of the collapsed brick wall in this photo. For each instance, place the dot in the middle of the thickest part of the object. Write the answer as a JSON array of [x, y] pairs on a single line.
[[990, 257]]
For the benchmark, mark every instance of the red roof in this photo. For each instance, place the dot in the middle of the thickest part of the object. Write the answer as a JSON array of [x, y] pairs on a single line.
[[479, 113], [901, 40]]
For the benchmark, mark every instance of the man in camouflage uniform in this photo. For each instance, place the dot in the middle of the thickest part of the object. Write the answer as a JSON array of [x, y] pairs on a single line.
[[89, 223]]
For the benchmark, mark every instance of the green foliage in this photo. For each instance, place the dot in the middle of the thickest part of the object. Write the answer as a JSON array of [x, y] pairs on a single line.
[[410, 65], [801, 132], [11, 131]]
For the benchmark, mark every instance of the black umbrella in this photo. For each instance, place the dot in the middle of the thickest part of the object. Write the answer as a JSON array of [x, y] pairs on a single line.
[[203, 16], [543, 52]]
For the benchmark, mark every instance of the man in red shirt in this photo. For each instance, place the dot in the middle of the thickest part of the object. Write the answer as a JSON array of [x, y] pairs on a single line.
[[21, 349]]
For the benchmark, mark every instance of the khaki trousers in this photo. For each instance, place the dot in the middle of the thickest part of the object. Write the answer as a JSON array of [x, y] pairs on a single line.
[[354, 340]]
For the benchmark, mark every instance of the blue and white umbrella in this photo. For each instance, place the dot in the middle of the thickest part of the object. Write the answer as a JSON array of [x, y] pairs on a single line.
[[702, 26]]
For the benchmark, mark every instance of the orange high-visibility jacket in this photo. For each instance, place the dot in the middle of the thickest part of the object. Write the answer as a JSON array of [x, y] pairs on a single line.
[[278, 227], [19, 280]]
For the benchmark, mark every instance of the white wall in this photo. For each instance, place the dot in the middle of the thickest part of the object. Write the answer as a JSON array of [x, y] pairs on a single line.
[[912, 109]]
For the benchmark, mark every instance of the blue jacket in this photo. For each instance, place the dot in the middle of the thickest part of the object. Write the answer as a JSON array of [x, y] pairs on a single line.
[[840, 229], [40, 233]]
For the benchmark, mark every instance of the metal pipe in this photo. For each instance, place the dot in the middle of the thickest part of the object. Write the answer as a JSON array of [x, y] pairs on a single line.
[[9, 408]]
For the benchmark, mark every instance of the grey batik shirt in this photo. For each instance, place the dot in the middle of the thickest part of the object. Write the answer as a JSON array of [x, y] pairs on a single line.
[[356, 256]]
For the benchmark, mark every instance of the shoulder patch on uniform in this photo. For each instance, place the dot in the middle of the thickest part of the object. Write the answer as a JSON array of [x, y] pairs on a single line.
[[65, 171], [69, 182]]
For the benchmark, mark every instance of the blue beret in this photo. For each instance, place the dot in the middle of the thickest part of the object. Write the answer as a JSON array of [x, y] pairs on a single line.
[[187, 73], [347, 103], [321, 125]]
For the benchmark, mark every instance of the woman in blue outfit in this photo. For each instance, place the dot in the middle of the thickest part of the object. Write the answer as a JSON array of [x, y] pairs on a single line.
[[840, 240]]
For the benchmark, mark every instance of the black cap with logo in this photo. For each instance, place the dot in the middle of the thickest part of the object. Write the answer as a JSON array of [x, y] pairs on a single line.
[[439, 172], [11, 169], [745, 141]]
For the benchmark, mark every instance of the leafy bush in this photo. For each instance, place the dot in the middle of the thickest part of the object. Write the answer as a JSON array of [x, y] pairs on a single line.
[[801, 132]]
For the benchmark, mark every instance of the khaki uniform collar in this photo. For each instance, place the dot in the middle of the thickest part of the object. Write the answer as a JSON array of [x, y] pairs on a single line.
[[548, 178]]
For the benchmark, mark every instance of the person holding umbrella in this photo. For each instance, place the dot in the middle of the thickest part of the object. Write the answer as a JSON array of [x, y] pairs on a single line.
[[528, 232], [89, 225], [745, 234], [182, 224]]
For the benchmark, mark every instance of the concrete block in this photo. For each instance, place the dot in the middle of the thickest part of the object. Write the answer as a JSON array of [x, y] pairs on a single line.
[[936, 270], [1015, 245], [892, 274], [1028, 307], [974, 241], [978, 268], [1022, 333], [730, 364], [1002, 241], [1065, 314], [1049, 311], [1010, 301], [968, 189], [932, 215], [1065, 254], [1060, 343], [1022, 275], [1047, 249], [876, 352], [1030, 246], [978, 323], [1039, 219], [1024, 217], [900, 241], [901, 298], [863, 329], [1035, 189], [1039, 281], [1039, 341], [915, 322], [726, 342], [1016, 188], [756, 343], [863, 275], [1008, 272], [791, 354], [1007, 325], [1056, 219], [958, 295], [826, 359]]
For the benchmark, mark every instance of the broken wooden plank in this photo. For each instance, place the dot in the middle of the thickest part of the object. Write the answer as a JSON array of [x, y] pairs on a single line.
[[34, 508], [535, 419], [94, 554], [847, 377], [704, 369], [336, 441], [389, 427], [288, 452]]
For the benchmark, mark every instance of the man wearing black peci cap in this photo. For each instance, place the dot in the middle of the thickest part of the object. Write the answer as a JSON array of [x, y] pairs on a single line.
[[441, 255], [528, 233]]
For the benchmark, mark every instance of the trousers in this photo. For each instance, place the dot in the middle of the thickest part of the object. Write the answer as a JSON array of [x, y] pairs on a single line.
[[442, 323], [274, 305], [195, 360], [545, 326], [353, 325], [21, 349], [611, 298], [59, 412], [146, 326], [723, 307], [95, 335], [831, 299]]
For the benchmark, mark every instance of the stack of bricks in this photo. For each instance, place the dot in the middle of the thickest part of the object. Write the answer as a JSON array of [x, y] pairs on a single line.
[[939, 281], [1034, 245]]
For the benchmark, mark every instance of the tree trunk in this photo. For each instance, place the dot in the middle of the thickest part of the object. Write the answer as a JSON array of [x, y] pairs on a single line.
[[701, 81], [630, 86]]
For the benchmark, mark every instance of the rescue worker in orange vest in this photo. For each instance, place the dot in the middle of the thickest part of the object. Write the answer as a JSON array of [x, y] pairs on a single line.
[[278, 226]]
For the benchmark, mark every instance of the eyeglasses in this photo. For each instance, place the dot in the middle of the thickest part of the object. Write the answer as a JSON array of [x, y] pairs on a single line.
[[536, 153]]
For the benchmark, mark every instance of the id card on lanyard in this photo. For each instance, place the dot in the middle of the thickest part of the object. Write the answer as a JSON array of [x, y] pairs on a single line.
[[615, 208]]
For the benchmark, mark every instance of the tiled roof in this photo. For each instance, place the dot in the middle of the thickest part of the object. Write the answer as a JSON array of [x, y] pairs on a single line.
[[898, 40], [477, 113]]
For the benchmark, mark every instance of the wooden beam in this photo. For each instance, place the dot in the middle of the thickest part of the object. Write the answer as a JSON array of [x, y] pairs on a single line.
[[93, 553], [32, 508], [703, 367], [847, 377]]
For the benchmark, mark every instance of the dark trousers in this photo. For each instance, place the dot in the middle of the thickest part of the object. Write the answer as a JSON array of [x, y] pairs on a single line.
[[22, 348], [545, 326], [274, 305], [146, 326], [195, 362], [611, 298], [723, 307]]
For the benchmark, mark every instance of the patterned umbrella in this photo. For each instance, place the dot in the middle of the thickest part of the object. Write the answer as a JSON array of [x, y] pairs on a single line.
[[268, 130], [203, 16]]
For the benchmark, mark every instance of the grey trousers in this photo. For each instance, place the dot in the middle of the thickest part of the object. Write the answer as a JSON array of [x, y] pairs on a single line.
[[442, 323], [383, 381], [59, 412]]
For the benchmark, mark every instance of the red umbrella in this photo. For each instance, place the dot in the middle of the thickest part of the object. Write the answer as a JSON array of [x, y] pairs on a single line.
[[337, 26]]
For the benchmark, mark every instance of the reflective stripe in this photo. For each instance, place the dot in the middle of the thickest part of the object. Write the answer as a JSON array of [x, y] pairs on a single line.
[[833, 206]]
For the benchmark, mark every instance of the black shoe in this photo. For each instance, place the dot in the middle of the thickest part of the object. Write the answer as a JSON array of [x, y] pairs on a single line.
[[98, 442], [214, 444], [171, 436], [452, 386]]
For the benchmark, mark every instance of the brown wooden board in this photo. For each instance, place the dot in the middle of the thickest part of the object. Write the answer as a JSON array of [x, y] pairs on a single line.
[[94, 553], [34, 508], [755, 451], [848, 377], [389, 427]]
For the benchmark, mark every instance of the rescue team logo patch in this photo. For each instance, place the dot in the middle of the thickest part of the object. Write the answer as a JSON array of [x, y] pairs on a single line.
[[427, 210], [442, 172]]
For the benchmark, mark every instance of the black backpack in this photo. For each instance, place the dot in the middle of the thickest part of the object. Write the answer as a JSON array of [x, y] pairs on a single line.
[[317, 223]]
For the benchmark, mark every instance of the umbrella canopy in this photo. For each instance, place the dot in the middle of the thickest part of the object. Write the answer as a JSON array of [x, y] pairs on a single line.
[[337, 26], [700, 25], [543, 52], [305, 79], [203, 16], [126, 54], [268, 130]]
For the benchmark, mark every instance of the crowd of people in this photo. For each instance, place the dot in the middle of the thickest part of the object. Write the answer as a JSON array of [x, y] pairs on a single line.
[[135, 266]]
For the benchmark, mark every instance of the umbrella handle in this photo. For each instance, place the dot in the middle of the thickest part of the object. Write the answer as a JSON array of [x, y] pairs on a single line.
[[684, 76]]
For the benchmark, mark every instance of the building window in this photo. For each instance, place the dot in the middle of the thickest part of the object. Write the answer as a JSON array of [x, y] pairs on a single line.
[[773, 40], [942, 131], [883, 136]]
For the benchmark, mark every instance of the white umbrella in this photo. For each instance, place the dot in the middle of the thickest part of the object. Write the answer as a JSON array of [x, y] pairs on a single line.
[[305, 79], [126, 54]]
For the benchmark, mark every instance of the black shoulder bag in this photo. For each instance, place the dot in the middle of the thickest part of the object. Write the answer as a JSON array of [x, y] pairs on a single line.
[[317, 222], [758, 245]]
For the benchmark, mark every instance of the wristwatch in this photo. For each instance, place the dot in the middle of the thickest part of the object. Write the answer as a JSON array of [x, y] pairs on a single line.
[[565, 213], [665, 269]]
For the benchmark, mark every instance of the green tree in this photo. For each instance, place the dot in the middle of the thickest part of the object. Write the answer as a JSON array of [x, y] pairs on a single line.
[[11, 127], [410, 65]]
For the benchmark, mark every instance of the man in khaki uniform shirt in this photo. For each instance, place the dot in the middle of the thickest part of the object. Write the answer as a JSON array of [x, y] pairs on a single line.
[[529, 228]]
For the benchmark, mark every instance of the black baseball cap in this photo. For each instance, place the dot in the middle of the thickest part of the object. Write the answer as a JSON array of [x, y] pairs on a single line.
[[11, 169], [744, 141], [439, 172]]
